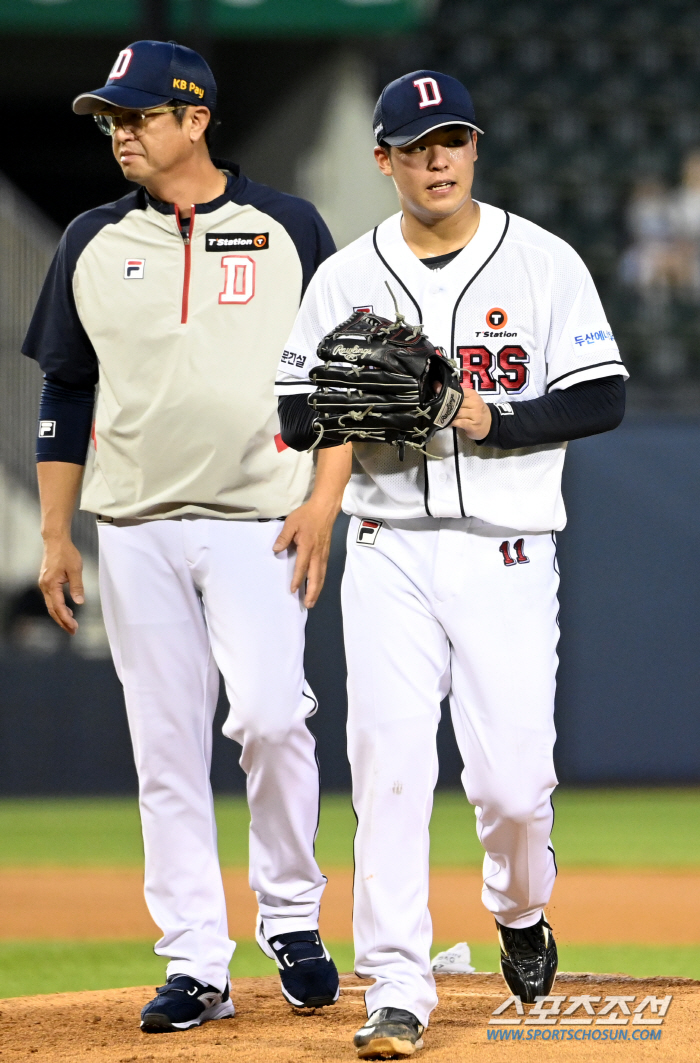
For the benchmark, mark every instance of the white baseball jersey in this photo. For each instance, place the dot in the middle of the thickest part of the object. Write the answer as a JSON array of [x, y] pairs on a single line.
[[518, 309]]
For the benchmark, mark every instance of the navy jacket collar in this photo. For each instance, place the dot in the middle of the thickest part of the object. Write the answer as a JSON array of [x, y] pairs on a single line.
[[235, 182]]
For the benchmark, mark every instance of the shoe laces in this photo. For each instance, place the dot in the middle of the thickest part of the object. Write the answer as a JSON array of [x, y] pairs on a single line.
[[394, 1015], [527, 943]]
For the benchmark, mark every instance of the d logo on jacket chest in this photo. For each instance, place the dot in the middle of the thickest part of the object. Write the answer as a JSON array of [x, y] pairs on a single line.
[[239, 286]]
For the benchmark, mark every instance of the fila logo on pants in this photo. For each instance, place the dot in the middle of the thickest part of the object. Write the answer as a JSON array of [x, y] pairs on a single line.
[[519, 558], [368, 531]]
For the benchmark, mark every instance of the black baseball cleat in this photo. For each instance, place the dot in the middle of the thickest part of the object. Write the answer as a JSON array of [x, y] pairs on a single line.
[[389, 1033], [308, 975], [184, 1002], [528, 960]]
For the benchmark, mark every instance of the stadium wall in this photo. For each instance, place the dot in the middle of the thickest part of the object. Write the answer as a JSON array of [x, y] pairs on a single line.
[[628, 680]]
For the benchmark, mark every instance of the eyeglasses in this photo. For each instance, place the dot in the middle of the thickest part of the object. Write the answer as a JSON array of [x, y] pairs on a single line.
[[109, 123]]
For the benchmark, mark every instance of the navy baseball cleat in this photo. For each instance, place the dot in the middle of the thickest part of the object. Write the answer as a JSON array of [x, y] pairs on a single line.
[[528, 960], [184, 1002], [389, 1033], [308, 975]]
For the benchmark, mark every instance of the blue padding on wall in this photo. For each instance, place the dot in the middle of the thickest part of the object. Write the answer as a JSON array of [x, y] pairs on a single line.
[[628, 706]]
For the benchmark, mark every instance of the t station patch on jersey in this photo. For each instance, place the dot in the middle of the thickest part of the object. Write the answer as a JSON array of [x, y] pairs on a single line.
[[368, 531], [496, 318], [237, 241]]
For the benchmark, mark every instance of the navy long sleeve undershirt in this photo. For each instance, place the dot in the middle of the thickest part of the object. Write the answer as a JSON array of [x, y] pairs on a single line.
[[595, 406], [65, 422], [585, 409]]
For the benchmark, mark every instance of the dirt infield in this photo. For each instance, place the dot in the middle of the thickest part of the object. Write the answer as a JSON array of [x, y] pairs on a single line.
[[103, 1027], [587, 906]]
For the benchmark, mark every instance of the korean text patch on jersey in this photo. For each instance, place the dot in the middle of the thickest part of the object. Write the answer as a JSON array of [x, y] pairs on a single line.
[[595, 337], [291, 361], [237, 241]]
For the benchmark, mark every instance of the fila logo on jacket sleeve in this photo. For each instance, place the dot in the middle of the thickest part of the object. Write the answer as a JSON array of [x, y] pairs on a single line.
[[239, 286], [429, 92], [134, 269], [368, 531]]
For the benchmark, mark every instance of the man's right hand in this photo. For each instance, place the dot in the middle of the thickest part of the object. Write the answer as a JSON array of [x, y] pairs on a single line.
[[474, 417], [62, 564]]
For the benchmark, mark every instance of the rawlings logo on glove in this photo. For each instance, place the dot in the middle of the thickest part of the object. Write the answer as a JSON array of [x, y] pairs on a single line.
[[382, 381]]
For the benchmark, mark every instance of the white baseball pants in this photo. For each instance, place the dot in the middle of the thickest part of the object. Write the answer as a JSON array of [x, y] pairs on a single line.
[[181, 597], [437, 607]]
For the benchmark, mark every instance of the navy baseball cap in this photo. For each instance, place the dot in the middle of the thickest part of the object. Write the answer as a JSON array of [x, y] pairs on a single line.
[[417, 103], [150, 74]]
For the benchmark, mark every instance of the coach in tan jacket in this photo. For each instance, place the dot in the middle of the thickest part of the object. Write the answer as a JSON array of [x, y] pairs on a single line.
[[175, 302]]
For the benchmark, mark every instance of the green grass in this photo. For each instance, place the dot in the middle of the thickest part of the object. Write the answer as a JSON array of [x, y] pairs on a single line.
[[80, 832], [594, 828], [641, 961], [628, 828], [29, 967]]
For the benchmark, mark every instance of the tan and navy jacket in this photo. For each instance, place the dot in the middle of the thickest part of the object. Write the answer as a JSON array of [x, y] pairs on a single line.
[[183, 335]]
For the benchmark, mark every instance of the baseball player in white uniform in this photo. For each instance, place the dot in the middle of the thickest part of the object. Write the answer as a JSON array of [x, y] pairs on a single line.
[[451, 579], [176, 301]]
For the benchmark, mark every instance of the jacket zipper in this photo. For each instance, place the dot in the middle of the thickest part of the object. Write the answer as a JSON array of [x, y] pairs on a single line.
[[187, 240]]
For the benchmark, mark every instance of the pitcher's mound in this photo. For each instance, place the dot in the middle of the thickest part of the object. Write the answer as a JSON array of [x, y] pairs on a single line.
[[102, 1027]]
